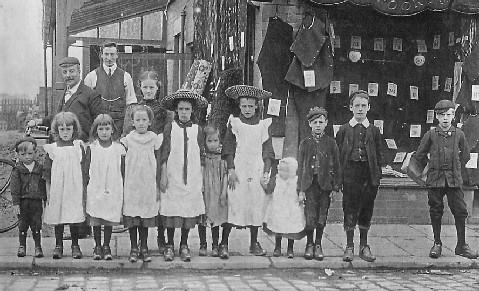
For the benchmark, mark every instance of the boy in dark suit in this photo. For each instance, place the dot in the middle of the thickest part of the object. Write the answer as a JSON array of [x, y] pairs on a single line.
[[360, 145], [449, 151]]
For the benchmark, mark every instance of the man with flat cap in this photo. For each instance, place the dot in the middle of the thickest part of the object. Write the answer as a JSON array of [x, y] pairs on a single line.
[[114, 85], [77, 98]]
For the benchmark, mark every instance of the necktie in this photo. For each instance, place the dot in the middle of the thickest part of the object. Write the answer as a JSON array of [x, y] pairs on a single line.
[[109, 72], [68, 94]]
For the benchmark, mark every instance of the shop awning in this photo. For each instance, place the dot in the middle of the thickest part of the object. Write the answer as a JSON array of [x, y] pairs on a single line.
[[100, 12], [411, 7]]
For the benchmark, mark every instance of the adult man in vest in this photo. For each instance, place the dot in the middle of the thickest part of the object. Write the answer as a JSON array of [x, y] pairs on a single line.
[[114, 84]]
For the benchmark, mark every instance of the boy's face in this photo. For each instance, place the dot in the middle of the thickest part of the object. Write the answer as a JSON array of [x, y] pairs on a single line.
[[212, 142], [248, 106], [184, 111], [27, 154], [141, 121], [65, 132], [445, 118], [360, 108], [318, 124]]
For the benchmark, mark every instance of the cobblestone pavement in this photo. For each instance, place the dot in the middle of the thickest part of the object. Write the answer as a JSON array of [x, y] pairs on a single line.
[[247, 280]]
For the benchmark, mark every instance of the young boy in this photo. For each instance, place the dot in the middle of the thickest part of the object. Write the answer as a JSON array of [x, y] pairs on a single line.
[[248, 151], [360, 145], [318, 175], [449, 151], [28, 190]]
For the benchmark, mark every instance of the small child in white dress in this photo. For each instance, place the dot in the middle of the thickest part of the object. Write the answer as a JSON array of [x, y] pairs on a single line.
[[103, 164], [285, 214]]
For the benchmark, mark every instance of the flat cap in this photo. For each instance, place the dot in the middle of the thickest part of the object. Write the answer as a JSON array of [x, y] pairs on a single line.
[[69, 61], [316, 112], [25, 139], [444, 105], [238, 91]]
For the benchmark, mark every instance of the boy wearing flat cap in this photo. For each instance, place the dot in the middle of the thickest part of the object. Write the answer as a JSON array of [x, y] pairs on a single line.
[[449, 151], [248, 151], [318, 175], [360, 148]]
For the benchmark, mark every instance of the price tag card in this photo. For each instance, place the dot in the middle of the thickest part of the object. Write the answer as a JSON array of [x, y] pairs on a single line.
[[223, 62], [379, 44], [448, 85], [435, 83], [274, 106], [421, 46], [392, 89], [355, 42], [337, 42], [451, 38], [399, 158], [397, 44], [335, 87], [430, 116], [231, 43], [475, 93], [336, 129], [373, 89], [353, 88], [391, 143], [413, 92], [415, 130], [459, 125], [379, 124], [436, 43], [472, 163], [309, 78], [128, 49], [242, 40]]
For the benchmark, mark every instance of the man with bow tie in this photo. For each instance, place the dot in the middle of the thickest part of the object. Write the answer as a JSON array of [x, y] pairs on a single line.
[[77, 98], [114, 85]]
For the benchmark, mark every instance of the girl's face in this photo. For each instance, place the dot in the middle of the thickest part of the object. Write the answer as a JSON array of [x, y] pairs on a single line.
[[212, 142], [149, 88], [184, 110], [104, 132], [65, 132], [248, 106], [141, 121]]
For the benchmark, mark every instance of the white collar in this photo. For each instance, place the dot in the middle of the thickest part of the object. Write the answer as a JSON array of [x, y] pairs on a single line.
[[113, 68], [74, 88], [353, 122]]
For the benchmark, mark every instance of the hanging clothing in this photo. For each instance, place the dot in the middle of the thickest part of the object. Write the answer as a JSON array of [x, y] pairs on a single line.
[[284, 215], [140, 190], [273, 62], [246, 202], [65, 203], [105, 187], [183, 197]]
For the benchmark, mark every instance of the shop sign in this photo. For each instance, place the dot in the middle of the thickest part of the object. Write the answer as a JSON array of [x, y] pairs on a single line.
[[395, 7]]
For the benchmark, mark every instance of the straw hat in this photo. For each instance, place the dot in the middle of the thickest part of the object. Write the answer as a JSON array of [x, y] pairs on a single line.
[[169, 101], [238, 91]]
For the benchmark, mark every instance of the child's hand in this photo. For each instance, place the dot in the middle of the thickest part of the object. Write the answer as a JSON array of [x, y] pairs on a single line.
[[16, 209], [265, 179], [232, 179], [301, 198]]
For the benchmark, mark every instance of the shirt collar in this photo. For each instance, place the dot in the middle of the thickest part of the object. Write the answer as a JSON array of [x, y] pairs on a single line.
[[353, 122], [113, 68], [74, 88]]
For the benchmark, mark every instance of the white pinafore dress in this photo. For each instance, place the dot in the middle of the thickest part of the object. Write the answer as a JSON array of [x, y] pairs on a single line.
[[65, 203], [246, 203], [182, 200], [105, 188]]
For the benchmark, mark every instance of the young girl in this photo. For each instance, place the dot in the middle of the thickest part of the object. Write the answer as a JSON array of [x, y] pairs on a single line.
[[141, 198], [65, 181], [181, 181], [149, 84], [215, 181], [105, 187], [284, 215]]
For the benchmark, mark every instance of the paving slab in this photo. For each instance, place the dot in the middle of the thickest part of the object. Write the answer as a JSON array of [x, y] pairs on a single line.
[[393, 230]]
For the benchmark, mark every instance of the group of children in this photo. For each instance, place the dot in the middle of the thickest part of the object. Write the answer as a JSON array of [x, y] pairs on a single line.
[[171, 173]]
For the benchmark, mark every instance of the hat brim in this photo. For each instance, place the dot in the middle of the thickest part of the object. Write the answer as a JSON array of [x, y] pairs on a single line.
[[246, 91], [169, 101]]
